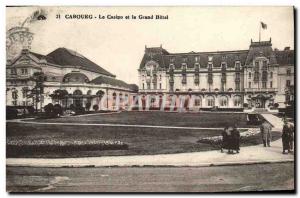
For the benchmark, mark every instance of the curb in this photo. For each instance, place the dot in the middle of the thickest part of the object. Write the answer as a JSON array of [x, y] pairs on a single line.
[[205, 164]]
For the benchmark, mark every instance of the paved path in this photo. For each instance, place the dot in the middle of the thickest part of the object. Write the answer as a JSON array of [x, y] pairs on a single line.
[[248, 155]]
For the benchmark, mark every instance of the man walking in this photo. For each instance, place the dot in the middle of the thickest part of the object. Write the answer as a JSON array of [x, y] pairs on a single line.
[[265, 130]]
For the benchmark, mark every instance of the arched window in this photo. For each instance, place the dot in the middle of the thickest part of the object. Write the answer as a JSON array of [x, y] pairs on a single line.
[[89, 92], [249, 74], [198, 102], [77, 92], [210, 101], [237, 101], [223, 101]]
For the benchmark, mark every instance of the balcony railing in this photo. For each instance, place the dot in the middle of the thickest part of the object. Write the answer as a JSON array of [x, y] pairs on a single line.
[[260, 89]]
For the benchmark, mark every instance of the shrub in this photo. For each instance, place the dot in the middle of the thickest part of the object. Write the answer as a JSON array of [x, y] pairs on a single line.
[[79, 110], [49, 110], [11, 113], [276, 105], [88, 106], [57, 110], [72, 107], [30, 109], [96, 107]]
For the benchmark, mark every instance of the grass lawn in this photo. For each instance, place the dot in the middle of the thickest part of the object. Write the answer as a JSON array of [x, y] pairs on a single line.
[[159, 118], [140, 140]]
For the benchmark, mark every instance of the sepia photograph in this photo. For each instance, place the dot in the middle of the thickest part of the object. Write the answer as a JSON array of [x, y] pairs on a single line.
[[190, 99]]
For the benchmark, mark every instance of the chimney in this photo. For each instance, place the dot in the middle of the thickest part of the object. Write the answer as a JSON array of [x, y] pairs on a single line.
[[286, 48]]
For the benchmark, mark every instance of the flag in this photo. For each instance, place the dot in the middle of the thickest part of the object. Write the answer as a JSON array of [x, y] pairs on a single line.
[[263, 25]]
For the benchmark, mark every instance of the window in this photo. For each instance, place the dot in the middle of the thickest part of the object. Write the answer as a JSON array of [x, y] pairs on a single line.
[[197, 102], [264, 63], [237, 101], [197, 58], [148, 86], [237, 65], [13, 71], [14, 94], [288, 72], [288, 83], [256, 63], [209, 66], [223, 101], [159, 77], [143, 86], [172, 59], [249, 85], [249, 75], [223, 65], [24, 71], [183, 78], [271, 74], [184, 59], [264, 85], [271, 84], [210, 101], [237, 86], [210, 58], [159, 85]]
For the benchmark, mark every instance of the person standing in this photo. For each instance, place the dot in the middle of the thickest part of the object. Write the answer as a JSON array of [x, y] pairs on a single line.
[[265, 130], [291, 136], [236, 139], [224, 144], [285, 138]]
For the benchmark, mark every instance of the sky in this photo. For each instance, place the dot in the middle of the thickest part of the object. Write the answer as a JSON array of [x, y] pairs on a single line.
[[118, 45]]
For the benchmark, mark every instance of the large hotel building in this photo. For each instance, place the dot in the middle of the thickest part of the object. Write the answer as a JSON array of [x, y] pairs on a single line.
[[256, 78]]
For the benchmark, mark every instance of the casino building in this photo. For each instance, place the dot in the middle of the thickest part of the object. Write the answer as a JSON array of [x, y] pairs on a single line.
[[252, 79], [69, 78]]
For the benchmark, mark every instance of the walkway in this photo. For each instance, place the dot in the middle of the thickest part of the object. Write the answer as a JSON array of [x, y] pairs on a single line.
[[248, 155]]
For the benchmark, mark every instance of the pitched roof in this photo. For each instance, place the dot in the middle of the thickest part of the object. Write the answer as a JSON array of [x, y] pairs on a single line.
[[285, 57], [163, 58], [40, 56], [111, 81], [67, 57], [261, 48]]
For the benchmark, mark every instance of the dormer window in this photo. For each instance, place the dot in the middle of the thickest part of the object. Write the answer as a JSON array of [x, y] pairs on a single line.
[[210, 58], [223, 65], [172, 59], [197, 58], [237, 65], [224, 57], [184, 59], [265, 63]]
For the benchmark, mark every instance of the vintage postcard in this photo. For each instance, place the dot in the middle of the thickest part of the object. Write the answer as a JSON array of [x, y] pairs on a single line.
[[150, 99]]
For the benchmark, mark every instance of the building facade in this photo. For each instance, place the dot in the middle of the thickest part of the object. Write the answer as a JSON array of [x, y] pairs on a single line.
[[256, 78], [69, 78]]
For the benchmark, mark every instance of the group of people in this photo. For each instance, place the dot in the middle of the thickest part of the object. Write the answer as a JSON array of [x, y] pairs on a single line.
[[231, 137], [231, 140]]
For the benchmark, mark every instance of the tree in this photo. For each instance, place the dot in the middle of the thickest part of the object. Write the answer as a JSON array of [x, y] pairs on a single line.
[[37, 91], [59, 95], [88, 106]]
